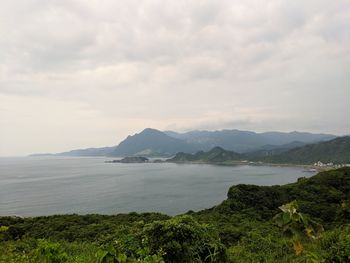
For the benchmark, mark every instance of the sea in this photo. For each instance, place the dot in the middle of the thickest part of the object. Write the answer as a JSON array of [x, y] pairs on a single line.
[[38, 186]]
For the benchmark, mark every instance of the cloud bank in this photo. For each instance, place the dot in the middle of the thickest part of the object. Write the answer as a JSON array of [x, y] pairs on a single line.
[[87, 73]]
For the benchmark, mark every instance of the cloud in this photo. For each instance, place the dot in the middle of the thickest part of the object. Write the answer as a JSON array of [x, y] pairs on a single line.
[[259, 65]]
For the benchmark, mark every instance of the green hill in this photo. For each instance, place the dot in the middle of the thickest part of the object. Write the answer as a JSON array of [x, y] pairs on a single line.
[[321, 196], [215, 155], [336, 151]]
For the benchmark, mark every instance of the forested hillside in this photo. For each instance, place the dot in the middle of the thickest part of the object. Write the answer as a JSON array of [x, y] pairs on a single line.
[[335, 151], [215, 155]]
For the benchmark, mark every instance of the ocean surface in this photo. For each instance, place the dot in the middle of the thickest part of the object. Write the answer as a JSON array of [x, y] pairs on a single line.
[[33, 186]]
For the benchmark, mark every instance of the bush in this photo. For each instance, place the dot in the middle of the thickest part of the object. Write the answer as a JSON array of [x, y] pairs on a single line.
[[182, 239], [335, 245], [49, 252], [262, 245]]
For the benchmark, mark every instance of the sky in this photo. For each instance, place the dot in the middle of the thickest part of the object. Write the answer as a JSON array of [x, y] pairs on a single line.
[[87, 73]]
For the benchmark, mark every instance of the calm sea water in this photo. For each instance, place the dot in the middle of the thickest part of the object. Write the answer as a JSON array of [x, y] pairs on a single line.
[[54, 185]]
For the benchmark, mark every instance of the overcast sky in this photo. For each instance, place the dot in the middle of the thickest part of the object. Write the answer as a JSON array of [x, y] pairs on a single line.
[[76, 74]]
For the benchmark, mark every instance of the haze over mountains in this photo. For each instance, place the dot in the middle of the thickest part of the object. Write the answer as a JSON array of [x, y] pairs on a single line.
[[246, 141], [152, 142]]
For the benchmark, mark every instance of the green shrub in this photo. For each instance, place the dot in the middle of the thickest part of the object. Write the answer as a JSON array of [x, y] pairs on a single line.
[[335, 245], [262, 245], [182, 239], [48, 252]]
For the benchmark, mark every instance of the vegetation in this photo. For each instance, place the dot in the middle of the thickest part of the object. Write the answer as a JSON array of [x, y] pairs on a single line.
[[307, 221], [130, 159], [215, 155], [335, 151]]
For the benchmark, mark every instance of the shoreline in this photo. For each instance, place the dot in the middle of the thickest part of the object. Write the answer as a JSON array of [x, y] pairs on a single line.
[[250, 163]]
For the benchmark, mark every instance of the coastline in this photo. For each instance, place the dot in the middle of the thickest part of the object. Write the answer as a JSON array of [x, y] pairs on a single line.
[[250, 163]]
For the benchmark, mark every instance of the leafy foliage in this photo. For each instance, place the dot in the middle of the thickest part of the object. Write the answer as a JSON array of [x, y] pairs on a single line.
[[297, 225], [49, 252], [182, 239]]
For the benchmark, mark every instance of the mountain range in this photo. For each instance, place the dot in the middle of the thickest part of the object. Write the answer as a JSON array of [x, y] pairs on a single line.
[[152, 142], [336, 151], [246, 141], [333, 151]]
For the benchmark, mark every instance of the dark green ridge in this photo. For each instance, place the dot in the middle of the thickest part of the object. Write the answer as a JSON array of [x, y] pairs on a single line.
[[335, 151], [215, 155]]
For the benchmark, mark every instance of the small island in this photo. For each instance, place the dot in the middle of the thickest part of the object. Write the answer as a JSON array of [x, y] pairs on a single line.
[[130, 159]]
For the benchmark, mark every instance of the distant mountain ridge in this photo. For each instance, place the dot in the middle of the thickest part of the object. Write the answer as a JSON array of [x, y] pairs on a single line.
[[90, 152], [335, 151], [268, 150], [246, 141], [152, 142], [103, 151]]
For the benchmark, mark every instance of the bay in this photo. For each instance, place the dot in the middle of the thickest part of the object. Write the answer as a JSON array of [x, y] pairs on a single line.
[[33, 186]]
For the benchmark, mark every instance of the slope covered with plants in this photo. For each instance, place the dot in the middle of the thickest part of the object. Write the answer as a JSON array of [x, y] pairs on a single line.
[[215, 155], [335, 151]]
